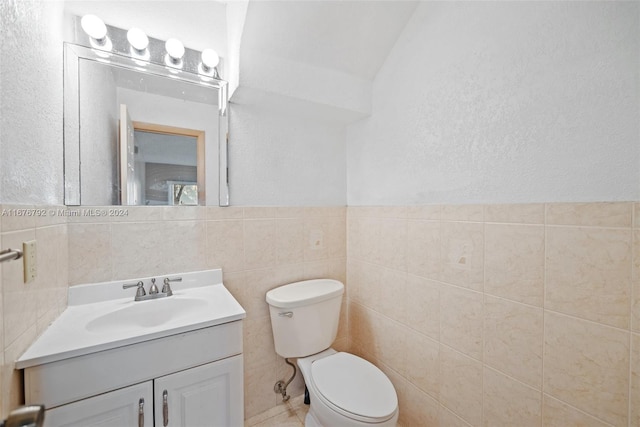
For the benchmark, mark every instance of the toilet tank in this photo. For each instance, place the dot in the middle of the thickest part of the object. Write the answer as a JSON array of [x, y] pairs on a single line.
[[305, 316]]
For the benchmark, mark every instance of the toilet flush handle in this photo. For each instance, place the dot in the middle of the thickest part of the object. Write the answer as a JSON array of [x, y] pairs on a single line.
[[286, 314]]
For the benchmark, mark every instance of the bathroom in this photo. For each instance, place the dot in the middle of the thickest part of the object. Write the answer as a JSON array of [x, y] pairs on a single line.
[[469, 170]]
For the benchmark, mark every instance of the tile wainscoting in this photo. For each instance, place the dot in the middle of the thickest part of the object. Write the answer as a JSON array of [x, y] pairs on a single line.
[[480, 314], [500, 315], [258, 248], [27, 309]]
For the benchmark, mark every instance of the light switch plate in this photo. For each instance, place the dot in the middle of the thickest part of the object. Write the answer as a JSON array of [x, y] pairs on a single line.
[[30, 265]]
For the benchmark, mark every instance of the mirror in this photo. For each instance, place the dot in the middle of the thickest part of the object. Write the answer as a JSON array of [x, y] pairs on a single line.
[[139, 133]]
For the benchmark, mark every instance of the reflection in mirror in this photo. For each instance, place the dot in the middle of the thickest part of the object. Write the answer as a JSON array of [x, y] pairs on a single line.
[[128, 137], [183, 193], [166, 161], [140, 98]]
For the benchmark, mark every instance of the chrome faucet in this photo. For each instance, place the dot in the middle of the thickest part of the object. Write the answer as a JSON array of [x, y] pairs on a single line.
[[166, 288], [141, 295], [153, 289]]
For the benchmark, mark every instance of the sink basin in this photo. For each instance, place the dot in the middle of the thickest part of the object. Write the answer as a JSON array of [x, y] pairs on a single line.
[[145, 314], [104, 317]]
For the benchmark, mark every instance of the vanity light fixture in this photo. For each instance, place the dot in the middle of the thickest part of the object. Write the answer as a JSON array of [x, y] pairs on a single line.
[[111, 43], [138, 40], [139, 43], [175, 52], [210, 60], [96, 30]]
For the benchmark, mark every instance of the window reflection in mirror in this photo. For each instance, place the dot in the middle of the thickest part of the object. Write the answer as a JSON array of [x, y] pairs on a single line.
[[172, 110], [182, 193], [166, 166]]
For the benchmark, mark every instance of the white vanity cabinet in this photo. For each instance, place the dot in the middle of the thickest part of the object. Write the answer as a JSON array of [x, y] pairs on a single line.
[[111, 361], [130, 406], [201, 372], [208, 395]]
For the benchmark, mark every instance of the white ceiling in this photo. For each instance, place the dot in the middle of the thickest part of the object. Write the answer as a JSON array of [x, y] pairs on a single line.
[[353, 37]]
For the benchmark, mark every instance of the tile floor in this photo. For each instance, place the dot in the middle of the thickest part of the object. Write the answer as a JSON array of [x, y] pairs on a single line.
[[290, 414]]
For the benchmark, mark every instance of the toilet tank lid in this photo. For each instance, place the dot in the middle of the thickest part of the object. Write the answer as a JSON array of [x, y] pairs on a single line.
[[304, 293]]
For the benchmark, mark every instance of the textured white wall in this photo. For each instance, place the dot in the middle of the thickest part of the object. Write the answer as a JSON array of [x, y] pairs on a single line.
[[504, 102], [277, 160], [236, 13], [3, 28], [31, 102], [98, 135]]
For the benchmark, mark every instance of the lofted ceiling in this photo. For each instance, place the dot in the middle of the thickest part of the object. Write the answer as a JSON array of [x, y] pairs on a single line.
[[353, 37], [317, 59]]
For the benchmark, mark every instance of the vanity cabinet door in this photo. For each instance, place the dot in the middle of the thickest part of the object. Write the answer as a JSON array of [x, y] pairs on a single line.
[[208, 395], [130, 406]]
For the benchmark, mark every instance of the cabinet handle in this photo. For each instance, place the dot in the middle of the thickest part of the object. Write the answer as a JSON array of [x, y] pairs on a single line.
[[165, 408], [141, 413]]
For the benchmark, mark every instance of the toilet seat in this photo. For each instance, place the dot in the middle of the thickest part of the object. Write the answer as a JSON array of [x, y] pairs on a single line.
[[354, 388]]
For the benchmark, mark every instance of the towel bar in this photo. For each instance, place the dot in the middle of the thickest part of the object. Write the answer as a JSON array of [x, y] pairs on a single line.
[[10, 254]]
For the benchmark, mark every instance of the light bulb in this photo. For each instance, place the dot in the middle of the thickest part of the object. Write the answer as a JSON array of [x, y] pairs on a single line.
[[137, 39], [94, 27], [175, 49], [210, 58]]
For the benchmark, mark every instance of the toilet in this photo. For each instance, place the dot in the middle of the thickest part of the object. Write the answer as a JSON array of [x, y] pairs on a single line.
[[345, 390]]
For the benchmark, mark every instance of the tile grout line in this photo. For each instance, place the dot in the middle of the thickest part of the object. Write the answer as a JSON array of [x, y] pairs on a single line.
[[631, 300], [544, 299], [581, 411], [439, 275], [484, 311]]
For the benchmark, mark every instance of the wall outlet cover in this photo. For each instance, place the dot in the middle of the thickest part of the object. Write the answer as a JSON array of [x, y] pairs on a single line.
[[30, 264]]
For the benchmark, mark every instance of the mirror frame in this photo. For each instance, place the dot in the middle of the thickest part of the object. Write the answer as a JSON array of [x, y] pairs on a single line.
[[72, 55]]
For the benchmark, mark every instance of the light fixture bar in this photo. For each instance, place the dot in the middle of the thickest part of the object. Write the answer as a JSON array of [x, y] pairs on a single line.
[[130, 43]]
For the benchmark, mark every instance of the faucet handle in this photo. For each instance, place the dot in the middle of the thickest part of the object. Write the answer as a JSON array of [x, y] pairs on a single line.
[[153, 289], [166, 288], [140, 292]]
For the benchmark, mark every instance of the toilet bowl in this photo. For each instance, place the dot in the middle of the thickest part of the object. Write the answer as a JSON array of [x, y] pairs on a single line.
[[345, 390]]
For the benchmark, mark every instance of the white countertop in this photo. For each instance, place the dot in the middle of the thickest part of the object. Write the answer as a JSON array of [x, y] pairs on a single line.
[[69, 336]]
